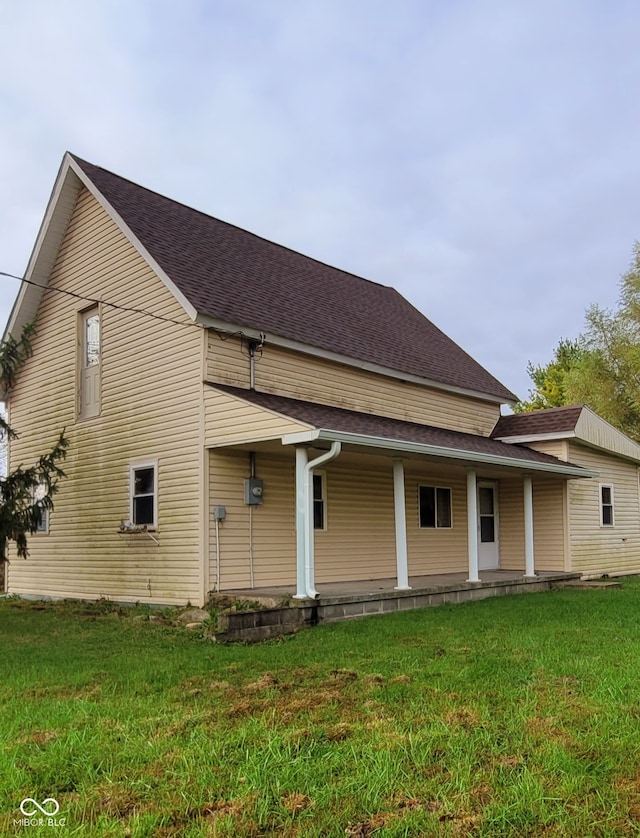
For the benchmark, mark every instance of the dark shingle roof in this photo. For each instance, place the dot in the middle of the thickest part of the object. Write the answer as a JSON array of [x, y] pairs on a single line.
[[367, 424], [554, 420], [231, 275]]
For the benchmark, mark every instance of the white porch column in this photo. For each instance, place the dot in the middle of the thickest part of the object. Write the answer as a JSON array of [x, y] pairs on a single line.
[[472, 525], [401, 527], [528, 527], [302, 520]]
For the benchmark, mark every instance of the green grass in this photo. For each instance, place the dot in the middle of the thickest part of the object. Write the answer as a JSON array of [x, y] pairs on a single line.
[[510, 717]]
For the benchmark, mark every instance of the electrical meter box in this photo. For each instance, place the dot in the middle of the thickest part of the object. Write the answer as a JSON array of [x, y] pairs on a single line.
[[253, 490]]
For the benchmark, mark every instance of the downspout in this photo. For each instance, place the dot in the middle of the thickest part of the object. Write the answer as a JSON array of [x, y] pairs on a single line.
[[309, 570], [252, 473]]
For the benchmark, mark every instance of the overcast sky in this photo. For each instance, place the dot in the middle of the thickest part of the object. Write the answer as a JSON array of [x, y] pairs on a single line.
[[481, 156]]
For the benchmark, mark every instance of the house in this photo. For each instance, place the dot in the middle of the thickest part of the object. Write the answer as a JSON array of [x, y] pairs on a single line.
[[602, 516], [242, 416]]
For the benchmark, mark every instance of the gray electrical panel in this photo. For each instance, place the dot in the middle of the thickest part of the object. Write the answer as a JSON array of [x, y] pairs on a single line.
[[253, 490]]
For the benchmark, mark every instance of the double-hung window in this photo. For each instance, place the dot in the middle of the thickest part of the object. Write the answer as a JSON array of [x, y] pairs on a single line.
[[606, 505], [144, 495], [434, 504]]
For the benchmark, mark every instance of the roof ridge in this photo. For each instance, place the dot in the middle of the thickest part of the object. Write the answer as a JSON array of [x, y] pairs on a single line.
[[539, 410]]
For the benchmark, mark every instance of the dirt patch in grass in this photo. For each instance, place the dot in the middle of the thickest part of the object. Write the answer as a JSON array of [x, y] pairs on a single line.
[[295, 803], [547, 729], [267, 681], [39, 737], [116, 801], [370, 826], [462, 717]]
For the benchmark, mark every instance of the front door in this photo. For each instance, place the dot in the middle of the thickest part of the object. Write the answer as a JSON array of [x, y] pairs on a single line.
[[488, 545]]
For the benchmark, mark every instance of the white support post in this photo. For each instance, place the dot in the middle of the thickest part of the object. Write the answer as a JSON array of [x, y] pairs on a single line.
[[472, 525], [401, 527], [302, 521], [528, 528]]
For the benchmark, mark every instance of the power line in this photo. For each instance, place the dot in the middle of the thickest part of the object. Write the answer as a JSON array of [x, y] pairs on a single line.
[[220, 334]]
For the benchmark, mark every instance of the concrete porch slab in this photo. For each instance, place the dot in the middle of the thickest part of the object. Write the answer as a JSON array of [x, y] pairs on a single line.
[[367, 588]]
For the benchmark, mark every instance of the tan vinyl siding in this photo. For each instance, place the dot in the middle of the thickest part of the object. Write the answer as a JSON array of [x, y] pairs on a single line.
[[359, 542], [548, 523], [272, 524], [298, 376], [229, 419], [511, 534], [150, 411], [553, 447], [596, 550]]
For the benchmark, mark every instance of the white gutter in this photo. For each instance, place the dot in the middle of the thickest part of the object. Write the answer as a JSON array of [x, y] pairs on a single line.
[[309, 570], [433, 451]]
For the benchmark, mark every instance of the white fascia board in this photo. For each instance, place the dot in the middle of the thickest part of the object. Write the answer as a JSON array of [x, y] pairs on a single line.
[[325, 354], [137, 244], [434, 451], [515, 440]]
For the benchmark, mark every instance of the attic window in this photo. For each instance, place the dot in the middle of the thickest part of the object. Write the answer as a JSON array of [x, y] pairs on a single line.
[[89, 346], [42, 526], [606, 505]]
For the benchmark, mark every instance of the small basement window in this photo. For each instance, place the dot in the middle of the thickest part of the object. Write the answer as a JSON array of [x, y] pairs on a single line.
[[606, 505], [434, 507], [144, 494]]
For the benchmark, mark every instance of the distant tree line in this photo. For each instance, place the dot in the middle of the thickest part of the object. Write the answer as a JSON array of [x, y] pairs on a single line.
[[601, 367]]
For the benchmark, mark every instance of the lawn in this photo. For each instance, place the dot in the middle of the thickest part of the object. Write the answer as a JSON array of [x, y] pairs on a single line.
[[513, 716]]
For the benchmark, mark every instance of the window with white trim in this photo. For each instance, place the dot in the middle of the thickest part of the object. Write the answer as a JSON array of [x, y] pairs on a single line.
[[89, 363], [319, 501], [434, 507], [144, 494], [606, 505]]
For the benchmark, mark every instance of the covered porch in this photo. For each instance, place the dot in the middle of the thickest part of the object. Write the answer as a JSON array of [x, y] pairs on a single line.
[[362, 505]]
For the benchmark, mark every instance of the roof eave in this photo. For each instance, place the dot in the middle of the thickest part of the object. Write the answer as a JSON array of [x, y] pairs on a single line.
[[435, 451]]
